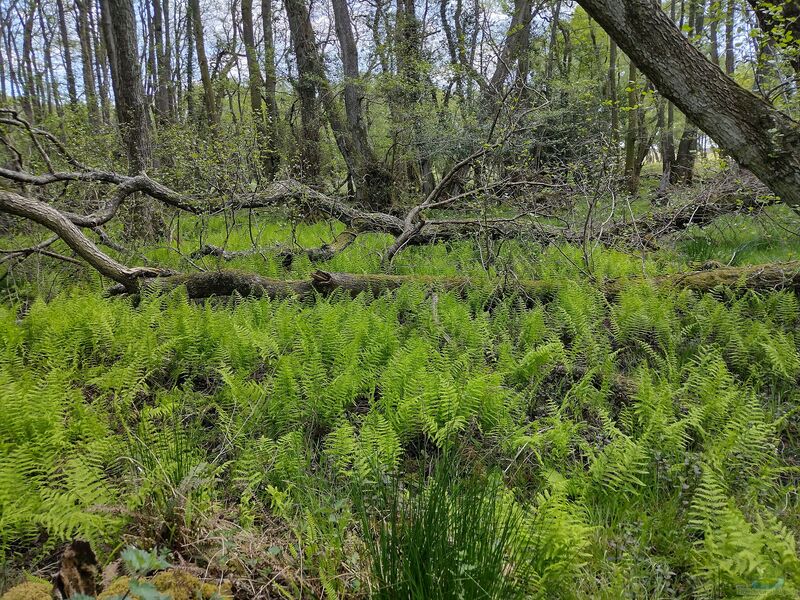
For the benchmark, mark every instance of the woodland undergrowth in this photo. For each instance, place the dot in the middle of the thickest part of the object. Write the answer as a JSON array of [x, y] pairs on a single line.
[[644, 446]]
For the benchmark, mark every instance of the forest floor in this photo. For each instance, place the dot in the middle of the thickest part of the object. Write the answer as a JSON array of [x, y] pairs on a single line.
[[416, 444]]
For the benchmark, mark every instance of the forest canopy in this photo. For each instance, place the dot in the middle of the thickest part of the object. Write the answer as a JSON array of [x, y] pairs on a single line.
[[413, 299]]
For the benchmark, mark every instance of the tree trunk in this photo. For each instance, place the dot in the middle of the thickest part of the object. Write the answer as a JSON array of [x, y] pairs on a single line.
[[551, 46], [644, 141], [171, 72], [5, 33], [58, 223], [683, 169], [713, 31], [209, 99], [372, 182], [254, 86], [134, 124], [110, 44], [191, 113], [305, 52], [668, 146], [131, 110], [729, 35], [630, 134], [163, 67], [3, 93], [761, 138], [62, 26], [408, 50], [612, 93], [47, 37], [150, 81], [29, 99], [518, 31], [89, 89], [101, 62], [452, 43], [781, 23], [272, 159]]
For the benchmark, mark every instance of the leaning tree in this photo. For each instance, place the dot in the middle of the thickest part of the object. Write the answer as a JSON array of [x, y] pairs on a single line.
[[761, 138]]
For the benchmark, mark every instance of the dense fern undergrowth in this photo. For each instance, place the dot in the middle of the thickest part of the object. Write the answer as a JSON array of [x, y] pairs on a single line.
[[415, 444]]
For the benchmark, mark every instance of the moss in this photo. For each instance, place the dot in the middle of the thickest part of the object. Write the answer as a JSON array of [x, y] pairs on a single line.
[[30, 590], [118, 587], [181, 585], [178, 585]]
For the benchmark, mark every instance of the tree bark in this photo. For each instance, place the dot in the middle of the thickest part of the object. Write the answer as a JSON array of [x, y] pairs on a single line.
[[409, 91], [29, 99], [730, 13], [97, 64], [518, 30], [225, 283], [163, 67], [254, 86], [683, 168], [272, 159], [62, 27], [713, 31], [110, 44], [131, 110], [9, 47], [53, 83], [144, 220], [372, 182], [209, 99], [89, 89], [760, 138], [58, 223], [613, 75], [173, 70], [452, 43], [551, 46], [668, 135], [305, 52], [313, 81], [630, 133], [190, 109], [3, 93]]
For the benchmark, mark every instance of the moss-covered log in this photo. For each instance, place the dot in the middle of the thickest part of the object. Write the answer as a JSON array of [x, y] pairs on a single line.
[[768, 277], [764, 278]]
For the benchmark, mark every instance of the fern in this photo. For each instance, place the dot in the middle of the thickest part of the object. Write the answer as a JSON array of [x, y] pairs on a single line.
[[655, 427]]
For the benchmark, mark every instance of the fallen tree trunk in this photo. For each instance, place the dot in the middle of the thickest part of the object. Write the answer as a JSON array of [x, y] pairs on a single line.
[[225, 283], [769, 277]]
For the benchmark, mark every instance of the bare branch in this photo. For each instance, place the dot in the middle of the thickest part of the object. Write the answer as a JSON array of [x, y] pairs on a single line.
[[64, 228], [17, 253], [318, 254], [15, 120]]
